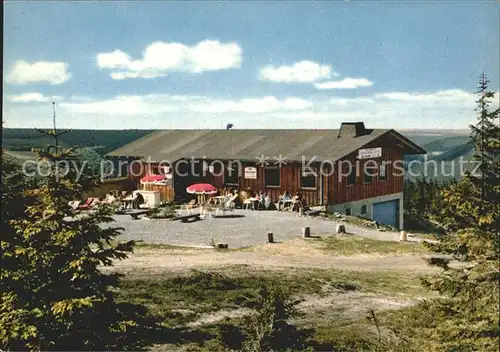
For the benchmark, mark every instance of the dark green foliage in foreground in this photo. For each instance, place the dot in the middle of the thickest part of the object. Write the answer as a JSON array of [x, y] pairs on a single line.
[[269, 328], [467, 317], [423, 204], [53, 295]]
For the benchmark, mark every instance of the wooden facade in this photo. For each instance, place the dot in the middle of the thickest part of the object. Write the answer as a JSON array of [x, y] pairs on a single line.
[[330, 186], [341, 192]]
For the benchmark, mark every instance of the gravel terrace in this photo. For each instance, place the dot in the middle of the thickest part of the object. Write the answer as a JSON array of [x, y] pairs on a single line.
[[243, 229]]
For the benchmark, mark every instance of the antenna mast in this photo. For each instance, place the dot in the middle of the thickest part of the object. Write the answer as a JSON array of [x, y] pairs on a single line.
[[53, 132]]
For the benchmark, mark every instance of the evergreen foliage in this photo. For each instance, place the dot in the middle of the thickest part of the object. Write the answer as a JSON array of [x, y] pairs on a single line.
[[54, 295], [467, 317]]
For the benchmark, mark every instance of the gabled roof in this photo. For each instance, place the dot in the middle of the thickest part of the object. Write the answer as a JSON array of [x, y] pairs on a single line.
[[324, 144]]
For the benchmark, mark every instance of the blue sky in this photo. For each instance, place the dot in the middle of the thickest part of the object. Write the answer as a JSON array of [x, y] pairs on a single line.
[[255, 64]]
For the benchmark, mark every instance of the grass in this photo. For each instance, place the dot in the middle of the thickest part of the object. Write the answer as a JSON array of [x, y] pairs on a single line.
[[169, 247], [426, 236], [352, 245], [179, 299]]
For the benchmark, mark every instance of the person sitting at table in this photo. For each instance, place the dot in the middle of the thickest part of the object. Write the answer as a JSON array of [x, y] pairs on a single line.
[[260, 200], [137, 201], [297, 202], [283, 198], [268, 202]]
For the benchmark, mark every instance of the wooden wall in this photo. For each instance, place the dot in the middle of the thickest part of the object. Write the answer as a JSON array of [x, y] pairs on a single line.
[[340, 192], [290, 181], [166, 192]]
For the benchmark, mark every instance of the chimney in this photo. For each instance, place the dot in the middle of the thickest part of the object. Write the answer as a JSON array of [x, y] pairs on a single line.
[[351, 129]]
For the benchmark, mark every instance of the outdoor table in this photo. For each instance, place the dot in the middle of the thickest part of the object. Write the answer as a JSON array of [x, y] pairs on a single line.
[[255, 202], [127, 201], [219, 199], [287, 201], [248, 203]]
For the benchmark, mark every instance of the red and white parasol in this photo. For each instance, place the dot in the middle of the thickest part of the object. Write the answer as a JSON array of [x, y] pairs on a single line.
[[201, 188], [153, 179]]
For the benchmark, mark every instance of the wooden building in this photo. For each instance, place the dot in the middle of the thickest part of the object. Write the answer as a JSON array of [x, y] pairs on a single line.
[[353, 170]]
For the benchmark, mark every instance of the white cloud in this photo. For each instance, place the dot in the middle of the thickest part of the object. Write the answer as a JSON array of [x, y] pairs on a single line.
[[161, 58], [32, 98], [448, 109], [346, 83], [162, 103], [444, 95], [301, 72], [25, 72]]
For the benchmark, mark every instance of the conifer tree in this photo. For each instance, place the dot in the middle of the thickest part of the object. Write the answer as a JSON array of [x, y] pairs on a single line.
[[53, 294], [470, 312]]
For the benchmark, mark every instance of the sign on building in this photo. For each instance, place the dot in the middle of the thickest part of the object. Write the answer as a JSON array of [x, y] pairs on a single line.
[[250, 172], [369, 153]]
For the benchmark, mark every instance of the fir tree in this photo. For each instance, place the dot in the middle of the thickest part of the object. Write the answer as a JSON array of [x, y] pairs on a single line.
[[53, 294], [470, 311]]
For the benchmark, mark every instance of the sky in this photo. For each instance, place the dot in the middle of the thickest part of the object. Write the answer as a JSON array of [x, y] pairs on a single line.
[[259, 64]]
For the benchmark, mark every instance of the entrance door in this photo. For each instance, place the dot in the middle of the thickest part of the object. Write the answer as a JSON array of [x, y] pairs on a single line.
[[387, 213]]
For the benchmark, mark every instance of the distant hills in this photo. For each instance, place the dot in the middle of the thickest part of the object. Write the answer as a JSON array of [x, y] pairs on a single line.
[[104, 141], [445, 147]]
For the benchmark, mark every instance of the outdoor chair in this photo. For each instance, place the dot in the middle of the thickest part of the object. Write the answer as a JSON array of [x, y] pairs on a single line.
[[87, 204], [227, 206], [208, 209], [74, 204], [189, 205]]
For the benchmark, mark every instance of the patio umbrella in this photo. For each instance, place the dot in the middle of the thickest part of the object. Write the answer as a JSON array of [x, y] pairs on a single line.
[[201, 188], [153, 178]]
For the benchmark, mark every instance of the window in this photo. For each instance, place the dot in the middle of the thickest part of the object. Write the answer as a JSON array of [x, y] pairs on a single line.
[[154, 169], [231, 175], [307, 179], [272, 177], [370, 169], [383, 172], [351, 177], [368, 175], [363, 210]]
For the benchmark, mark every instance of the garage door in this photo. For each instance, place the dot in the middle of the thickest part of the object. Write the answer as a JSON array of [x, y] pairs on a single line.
[[387, 213]]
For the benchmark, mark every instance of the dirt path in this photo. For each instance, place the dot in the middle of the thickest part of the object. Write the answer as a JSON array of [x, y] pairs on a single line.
[[270, 257]]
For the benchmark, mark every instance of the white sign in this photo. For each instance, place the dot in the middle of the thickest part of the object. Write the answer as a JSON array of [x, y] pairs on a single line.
[[369, 153], [250, 172]]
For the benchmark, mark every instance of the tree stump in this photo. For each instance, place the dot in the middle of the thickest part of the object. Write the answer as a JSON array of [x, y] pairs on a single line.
[[306, 232], [340, 228], [270, 237]]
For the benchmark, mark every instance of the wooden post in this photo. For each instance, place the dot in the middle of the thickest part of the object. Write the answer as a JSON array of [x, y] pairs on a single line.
[[306, 232], [340, 228], [403, 236], [301, 211], [270, 238]]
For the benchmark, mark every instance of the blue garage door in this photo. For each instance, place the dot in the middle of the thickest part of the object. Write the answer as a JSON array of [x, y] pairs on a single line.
[[387, 213]]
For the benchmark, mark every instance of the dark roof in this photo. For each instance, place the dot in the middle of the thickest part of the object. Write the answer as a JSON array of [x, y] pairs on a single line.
[[241, 144]]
